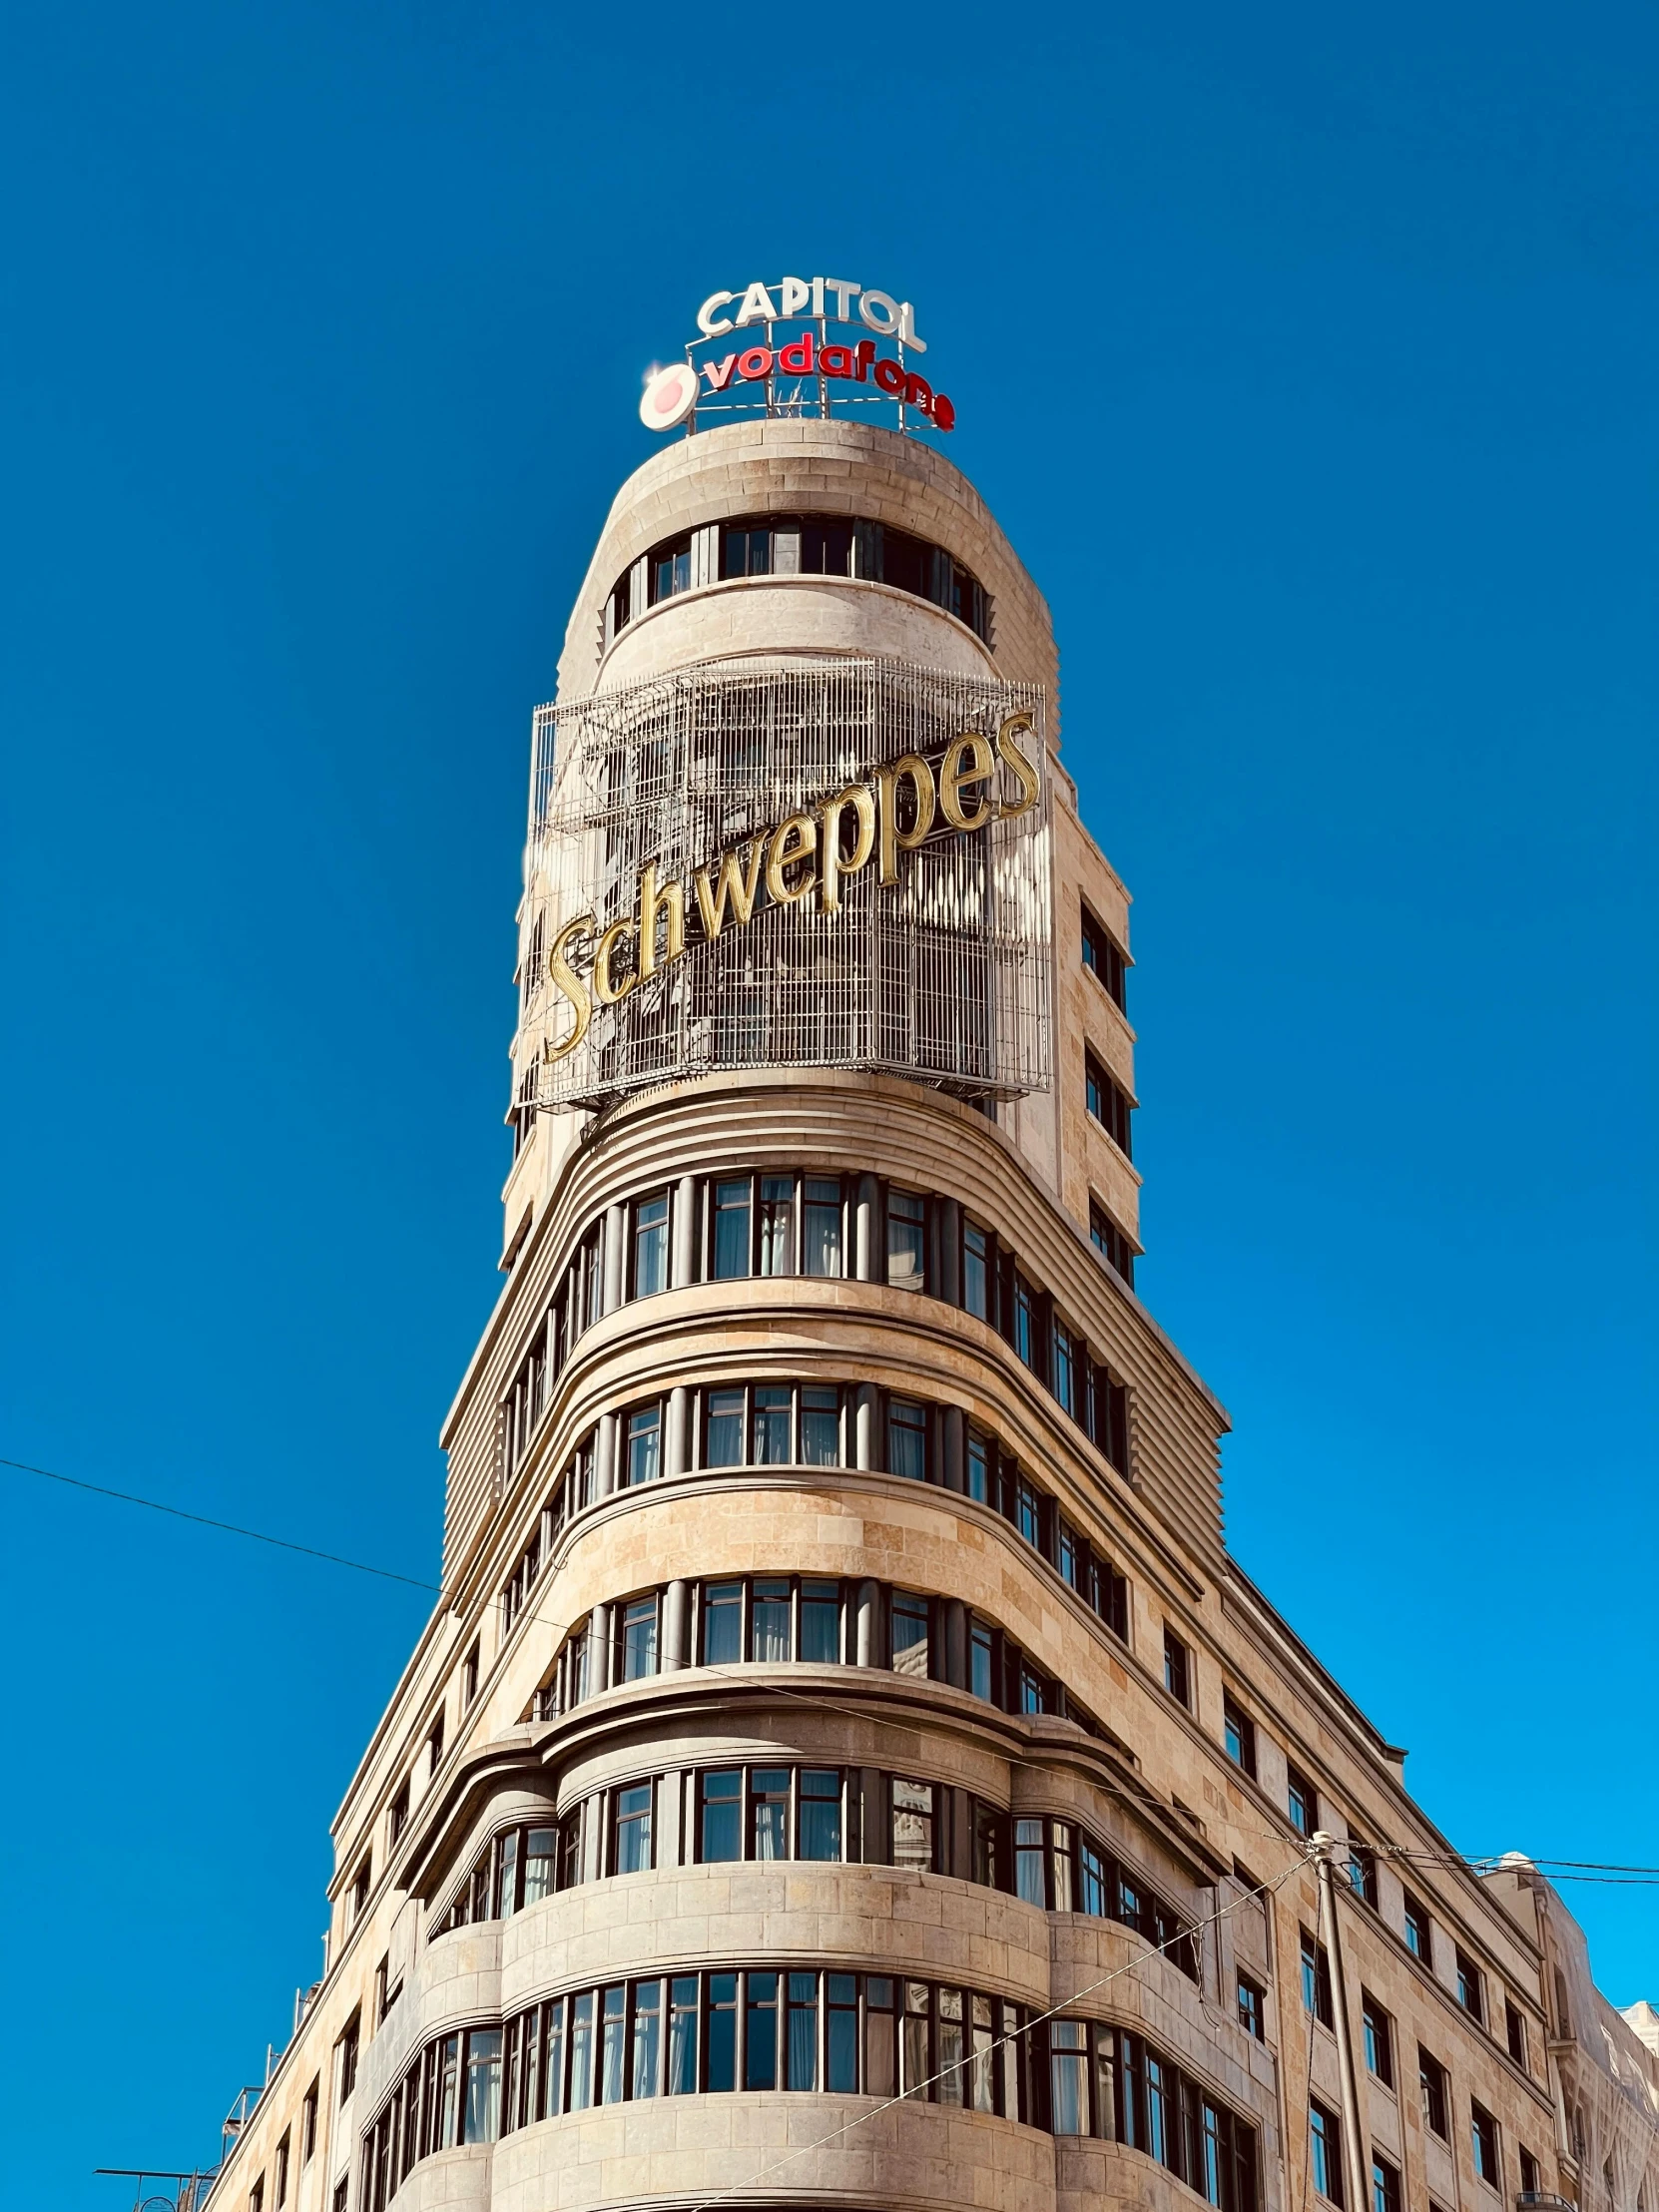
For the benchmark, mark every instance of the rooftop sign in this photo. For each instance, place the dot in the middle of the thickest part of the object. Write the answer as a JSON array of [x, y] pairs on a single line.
[[803, 345]]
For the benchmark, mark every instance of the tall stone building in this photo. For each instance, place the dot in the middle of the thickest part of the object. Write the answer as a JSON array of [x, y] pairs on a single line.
[[844, 1765]]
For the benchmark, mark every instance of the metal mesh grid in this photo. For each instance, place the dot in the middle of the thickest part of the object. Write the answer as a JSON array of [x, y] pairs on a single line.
[[942, 976]]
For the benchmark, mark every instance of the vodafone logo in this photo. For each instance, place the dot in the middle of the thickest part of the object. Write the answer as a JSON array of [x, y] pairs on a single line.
[[668, 398]]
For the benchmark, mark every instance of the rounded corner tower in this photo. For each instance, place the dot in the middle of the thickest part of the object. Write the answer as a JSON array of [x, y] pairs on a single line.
[[829, 1775]]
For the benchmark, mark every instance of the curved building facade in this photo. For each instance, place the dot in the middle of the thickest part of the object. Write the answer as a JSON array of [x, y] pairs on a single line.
[[844, 1766]]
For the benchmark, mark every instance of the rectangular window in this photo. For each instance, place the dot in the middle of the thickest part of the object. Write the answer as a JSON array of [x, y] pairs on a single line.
[[720, 1816], [646, 2035], [668, 571], [399, 1819], [1111, 1242], [644, 1463], [541, 1846], [912, 1825], [801, 2033], [581, 2053], [1436, 2103], [820, 1814], [1325, 2143], [771, 1421], [769, 1813], [1515, 2033], [1362, 1872], [1302, 1801], [1315, 1981], [720, 2034], [1483, 2144], [906, 1240], [822, 1225], [1528, 2172], [820, 1427], [1380, 2038], [1062, 1367], [880, 2060], [1025, 1323], [434, 1747], [359, 1890], [631, 1833], [732, 1203], [721, 1623], [681, 2036], [1103, 957], [1253, 2006], [770, 1641], [820, 1623], [976, 1271], [911, 1620], [348, 2047], [1420, 1936], [1239, 1730], [1107, 1103], [1030, 1864], [283, 2158], [639, 1639], [481, 2105], [622, 602], [308, 2123], [907, 1439], [841, 2059], [651, 1245], [746, 551], [759, 2055], [979, 1470], [1471, 1987], [1177, 1672], [722, 1428], [1068, 2077], [1029, 1507], [1385, 2184], [470, 1676], [774, 1222], [981, 1661]]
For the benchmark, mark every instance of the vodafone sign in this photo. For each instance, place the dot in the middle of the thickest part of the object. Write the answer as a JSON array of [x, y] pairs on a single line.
[[799, 346]]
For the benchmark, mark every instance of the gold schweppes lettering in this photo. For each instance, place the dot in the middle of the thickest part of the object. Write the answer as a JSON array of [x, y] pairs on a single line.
[[804, 859]]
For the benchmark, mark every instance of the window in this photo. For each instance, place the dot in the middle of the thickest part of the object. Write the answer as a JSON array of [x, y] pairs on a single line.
[[721, 1623], [283, 2154], [906, 1240], [775, 1226], [1068, 2089], [1515, 2033], [434, 1745], [976, 1271], [470, 1676], [911, 1620], [397, 1820], [631, 1830], [771, 1422], [639, 1639], [821, 1216], [912, 1825], [643, 1456], [1111, 1242], [1315, 1981], [820, 1623], [1420, 1936], [667, 569], [907, 1439], [348, 2047], [359, 1890], [1436, 2103], [1239, 1730], [622, 598], [820, 1814], [982, 1663], [1177, 1673], [1528, 2172], [720, 1816], [776, 1425], [1362, 1872], [732, 1207], [342, 2194], [1380, 2039], [820, 1427], [722, 1428], [1471, 1987], [1253, 2005], [1103, 957], [651, 1245], [770, 1642], [256, 2196], [1025, 1323], [1324, 2132], [1385, 2184], [307, 2122], [1108, 1103], [1301, 1802], [1483, 2144]]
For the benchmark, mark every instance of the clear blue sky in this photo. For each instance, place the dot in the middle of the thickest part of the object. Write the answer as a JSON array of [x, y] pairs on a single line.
[[1307, 360]]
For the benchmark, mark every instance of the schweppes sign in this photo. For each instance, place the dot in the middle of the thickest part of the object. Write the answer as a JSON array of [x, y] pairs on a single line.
[[803, 862]]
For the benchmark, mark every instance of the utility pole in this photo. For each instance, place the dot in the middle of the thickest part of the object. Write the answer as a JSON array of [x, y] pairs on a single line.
[[1354, 2129]]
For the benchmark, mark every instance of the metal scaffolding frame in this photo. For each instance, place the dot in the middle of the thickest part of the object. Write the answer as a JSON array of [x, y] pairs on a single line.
[[942, 976]]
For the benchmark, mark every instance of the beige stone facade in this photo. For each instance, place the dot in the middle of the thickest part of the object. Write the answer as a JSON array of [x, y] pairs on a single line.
[[844, 1733]]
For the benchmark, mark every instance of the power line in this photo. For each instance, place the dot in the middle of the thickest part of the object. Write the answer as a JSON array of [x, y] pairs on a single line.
[[228, 1528]]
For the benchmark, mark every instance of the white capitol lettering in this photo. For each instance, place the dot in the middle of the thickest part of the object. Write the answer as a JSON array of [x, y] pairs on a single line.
[[799, 295]]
